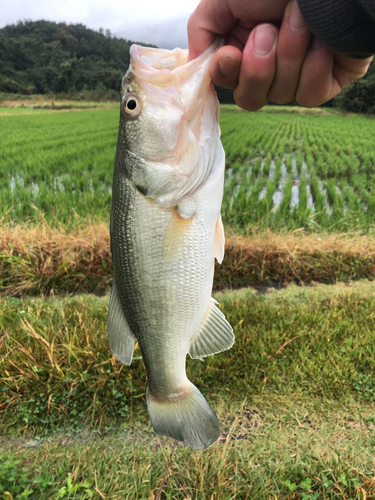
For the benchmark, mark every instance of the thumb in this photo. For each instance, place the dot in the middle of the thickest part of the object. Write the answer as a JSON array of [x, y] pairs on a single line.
[[208, 20]]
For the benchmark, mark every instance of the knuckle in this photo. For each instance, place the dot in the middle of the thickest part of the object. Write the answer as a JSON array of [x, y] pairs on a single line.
[[355, 75], [280, 98], [249, 104], [307, 101]]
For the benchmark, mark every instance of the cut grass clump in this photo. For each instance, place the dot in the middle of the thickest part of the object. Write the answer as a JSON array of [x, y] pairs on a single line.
[[46, 260]]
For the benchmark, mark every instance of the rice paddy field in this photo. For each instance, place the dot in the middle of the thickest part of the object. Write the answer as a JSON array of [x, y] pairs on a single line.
[[283, 170], [295, 395], [294, 171]]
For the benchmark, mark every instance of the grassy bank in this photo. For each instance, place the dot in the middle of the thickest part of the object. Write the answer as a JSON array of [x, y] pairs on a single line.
[[295, 397], [41, 259]]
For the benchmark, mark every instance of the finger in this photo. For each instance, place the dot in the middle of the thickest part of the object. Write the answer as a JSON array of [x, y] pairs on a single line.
[[225, 67], [292, 45], [226, 62], [258, 67], [208, 19], [239, 33], [216, 17], [235, 42], [346, 69], [316, 84]]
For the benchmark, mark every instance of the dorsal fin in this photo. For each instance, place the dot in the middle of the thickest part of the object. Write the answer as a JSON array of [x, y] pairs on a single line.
[[121, 338], [215, 334]]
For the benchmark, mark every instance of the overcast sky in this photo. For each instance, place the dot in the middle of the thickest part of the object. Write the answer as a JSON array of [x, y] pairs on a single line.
[[162, 22]]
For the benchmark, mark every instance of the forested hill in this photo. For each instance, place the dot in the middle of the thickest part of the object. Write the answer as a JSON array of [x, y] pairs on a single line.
[[44, 57], [47, 57]]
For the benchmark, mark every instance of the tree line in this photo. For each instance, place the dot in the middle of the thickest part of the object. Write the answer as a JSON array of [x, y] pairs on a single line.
[[44, 57]]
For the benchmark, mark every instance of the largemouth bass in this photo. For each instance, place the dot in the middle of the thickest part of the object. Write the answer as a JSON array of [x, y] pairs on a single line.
[[166, 231]]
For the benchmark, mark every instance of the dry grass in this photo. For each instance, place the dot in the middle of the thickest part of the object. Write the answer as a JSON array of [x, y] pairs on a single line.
[[272, 108], [45, 259], [44, 101], [298, 257]]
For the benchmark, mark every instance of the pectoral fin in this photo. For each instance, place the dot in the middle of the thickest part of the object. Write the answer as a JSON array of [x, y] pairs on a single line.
[[121, 338], [215, 334], [219, 240], [175, 235]]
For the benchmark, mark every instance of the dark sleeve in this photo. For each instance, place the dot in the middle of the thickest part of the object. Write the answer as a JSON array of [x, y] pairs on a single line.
[[345, 26]]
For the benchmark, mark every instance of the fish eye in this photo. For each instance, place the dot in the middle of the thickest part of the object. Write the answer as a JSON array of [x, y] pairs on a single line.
[[131, 105]]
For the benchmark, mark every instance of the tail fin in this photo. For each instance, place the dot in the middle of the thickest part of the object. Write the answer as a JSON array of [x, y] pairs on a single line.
[[191, 419]]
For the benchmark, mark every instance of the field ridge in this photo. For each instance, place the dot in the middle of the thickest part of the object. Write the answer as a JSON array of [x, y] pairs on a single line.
[[46, 260]]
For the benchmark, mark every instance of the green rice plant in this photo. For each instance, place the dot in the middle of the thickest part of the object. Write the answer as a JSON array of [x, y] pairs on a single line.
[[292, 137], [256, 168], [254, 197], [278, 172], [299, 159], [371, 207], [282, 214], [333, 165], [266, 166], [265, 205], [241, 203], [309, 159], [351, 199], [283, 143], [302, 201], [318, 197], [274, 146], [331, 192], [335, 200], [289, 163]]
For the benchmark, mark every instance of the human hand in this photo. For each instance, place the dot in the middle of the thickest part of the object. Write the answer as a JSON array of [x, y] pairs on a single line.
[[261, 62]]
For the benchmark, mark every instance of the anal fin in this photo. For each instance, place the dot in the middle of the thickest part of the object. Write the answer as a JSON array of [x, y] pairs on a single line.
[[215, 335], [121, 338]]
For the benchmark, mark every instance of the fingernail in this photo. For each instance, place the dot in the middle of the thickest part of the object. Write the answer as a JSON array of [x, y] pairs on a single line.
[[264, 39], [228, 65], [316, 44], [296, 21]]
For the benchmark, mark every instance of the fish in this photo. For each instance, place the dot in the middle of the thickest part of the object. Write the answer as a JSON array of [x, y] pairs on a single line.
[[166, 231]]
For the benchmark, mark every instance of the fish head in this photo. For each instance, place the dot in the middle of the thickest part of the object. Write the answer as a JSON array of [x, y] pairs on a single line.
[[169, 115]]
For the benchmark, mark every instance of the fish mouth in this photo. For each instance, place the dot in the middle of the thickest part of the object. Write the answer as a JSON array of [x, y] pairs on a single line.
[[168, 76], [164, 67]]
